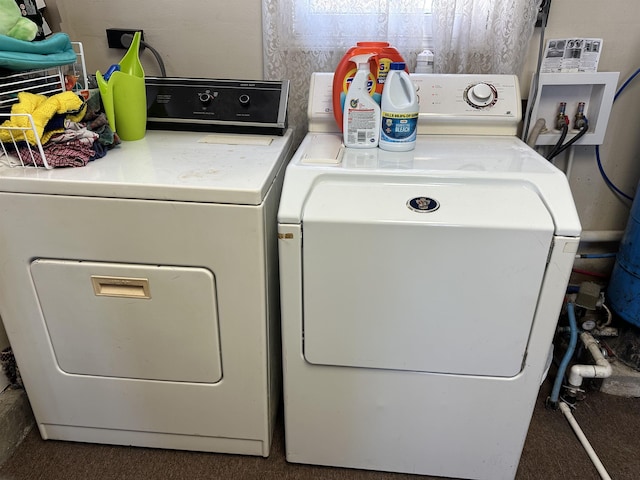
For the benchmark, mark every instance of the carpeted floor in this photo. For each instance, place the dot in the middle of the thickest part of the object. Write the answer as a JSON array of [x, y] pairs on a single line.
[[612, 425]]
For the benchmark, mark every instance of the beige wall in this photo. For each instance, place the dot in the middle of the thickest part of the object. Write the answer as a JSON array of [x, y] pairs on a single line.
[[200, 38]]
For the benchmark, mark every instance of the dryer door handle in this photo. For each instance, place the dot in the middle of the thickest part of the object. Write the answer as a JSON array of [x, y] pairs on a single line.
[[121, 287]]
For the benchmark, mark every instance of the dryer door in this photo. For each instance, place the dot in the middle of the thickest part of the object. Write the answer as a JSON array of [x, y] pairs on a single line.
[[125, 320], [438, 277]]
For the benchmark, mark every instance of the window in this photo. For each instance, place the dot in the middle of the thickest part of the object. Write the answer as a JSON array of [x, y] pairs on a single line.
[[318, 23], [345, 6]]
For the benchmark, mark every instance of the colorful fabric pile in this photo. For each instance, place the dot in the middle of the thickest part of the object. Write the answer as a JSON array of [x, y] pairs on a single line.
[[72, 131]]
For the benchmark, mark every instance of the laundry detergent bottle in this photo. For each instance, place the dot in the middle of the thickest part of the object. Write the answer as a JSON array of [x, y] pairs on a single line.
[[382, 55], [399, 111], [361, 117]]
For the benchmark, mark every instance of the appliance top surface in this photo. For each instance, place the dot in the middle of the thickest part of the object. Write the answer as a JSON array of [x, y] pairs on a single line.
[[437, 159], [457, 155], [167, 165]]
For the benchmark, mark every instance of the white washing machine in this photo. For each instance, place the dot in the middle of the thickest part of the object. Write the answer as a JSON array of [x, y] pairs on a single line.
[[140, 293], [420, 290]]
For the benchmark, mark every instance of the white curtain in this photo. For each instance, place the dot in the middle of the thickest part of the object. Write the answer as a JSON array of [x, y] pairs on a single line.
[[469, 36], [305, 36], [482, 36]]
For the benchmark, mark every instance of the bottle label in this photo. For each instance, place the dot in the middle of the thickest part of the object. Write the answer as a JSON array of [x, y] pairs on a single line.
[[371, 82], [383, 70], [361, 126], [399, 127]]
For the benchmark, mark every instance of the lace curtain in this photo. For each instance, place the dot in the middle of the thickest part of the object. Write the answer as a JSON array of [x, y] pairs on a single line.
[[469, 36], [482, 36]]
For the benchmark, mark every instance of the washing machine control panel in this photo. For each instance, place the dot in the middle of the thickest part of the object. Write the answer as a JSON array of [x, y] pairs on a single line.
[[449, 104], [468, 104]]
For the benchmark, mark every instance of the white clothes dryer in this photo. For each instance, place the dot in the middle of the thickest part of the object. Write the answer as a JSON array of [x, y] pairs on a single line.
[[140, 293], [420, 290]]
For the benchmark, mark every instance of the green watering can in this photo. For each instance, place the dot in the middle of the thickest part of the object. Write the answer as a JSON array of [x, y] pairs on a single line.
[[124, 95]]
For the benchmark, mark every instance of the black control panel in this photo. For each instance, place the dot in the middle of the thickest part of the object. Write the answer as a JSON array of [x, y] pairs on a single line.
[[233, 106]]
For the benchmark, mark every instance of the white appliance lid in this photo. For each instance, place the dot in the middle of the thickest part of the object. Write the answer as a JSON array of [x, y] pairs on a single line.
[[168, 165], [383, 265], [436, 158]]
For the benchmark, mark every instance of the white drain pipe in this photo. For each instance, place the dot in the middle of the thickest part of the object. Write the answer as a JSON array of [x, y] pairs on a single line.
[[602, 368], [585, 443]]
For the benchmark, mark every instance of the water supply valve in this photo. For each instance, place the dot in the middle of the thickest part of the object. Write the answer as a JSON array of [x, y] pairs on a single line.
[[561, 119], [580, 121]]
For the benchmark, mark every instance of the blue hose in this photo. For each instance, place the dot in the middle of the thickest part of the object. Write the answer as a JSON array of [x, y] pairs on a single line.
[[596, 255], [573, 340]]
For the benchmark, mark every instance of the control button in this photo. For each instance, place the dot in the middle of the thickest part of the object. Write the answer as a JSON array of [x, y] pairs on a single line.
[[482, 91], [205, 97], [481, 95], [244, 99]]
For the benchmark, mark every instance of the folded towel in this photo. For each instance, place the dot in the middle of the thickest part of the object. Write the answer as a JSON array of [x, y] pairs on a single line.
[[42, 109], [22, 55]]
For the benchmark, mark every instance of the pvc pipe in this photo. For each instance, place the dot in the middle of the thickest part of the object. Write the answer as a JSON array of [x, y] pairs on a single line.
[[602, 368], [570, 156], [535, 132], [585, 443], [609, 317]]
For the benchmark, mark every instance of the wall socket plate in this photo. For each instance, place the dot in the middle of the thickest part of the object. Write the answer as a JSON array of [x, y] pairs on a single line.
[[114, 36]]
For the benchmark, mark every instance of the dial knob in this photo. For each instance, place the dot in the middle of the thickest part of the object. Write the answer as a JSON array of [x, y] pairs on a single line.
[[244, 99], [481, 95], [205, 97]]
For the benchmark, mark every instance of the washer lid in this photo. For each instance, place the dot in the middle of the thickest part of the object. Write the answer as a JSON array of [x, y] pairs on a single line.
[[460, 159], [168, 165], [436, 277]]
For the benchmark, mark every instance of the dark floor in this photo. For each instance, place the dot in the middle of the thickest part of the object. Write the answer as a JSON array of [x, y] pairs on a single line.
[[611, 423]]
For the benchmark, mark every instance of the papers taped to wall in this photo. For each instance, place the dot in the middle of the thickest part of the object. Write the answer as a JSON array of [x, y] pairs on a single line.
[[572, 55]]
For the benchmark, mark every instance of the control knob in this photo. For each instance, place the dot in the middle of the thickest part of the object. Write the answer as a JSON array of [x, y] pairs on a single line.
[[244, 100], [205, 97], [481, 95]]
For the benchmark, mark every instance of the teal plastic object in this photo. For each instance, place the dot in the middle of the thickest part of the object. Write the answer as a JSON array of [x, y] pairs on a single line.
[[124, 96]]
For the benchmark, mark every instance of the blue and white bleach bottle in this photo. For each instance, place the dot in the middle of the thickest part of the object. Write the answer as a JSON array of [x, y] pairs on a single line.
[[399, 107]]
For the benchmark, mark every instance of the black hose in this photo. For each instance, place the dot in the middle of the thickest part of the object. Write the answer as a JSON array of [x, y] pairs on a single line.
[[554, 150], [163, 71], [127, 38], [578, 136]]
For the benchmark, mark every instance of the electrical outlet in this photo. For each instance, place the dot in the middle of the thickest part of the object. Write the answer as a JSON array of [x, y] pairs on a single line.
[[114, 36]]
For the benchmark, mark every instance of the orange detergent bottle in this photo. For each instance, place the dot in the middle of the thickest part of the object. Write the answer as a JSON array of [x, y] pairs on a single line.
[[382, 55]]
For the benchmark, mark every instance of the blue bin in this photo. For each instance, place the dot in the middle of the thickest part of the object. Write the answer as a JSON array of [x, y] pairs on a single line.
[[624, 288]]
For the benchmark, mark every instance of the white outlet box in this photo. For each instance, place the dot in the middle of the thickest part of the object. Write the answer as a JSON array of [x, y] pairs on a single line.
[[595, 89]]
